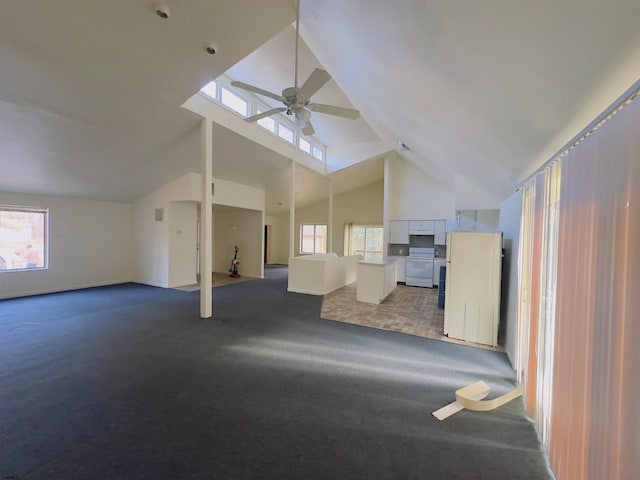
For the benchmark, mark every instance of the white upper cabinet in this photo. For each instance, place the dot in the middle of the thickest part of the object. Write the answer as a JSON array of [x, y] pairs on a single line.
[[399, 232], [440, 233], [421, 227]]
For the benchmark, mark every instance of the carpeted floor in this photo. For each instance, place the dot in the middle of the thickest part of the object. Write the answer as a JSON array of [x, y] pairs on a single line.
[[127, 382], [218, 280]]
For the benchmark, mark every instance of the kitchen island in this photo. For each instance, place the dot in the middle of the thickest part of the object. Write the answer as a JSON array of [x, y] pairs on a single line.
[[377, 278]]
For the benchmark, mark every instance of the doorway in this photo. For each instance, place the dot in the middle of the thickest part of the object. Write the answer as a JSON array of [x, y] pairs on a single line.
[[267, 242]]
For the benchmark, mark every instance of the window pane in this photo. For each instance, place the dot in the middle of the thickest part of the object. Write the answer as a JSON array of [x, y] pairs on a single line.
[[357, 240], [321, 239], [317, 152], [210, 89], [23, 236], [374, 242], [313, 238], [233, 101], [268, 122], [304, 145], [285, 133], [306, 240]]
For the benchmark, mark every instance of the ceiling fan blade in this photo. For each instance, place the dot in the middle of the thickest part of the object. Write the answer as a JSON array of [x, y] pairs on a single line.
[[259, 91], [333, 110], [315, 82], [308, 129], [268, 113]]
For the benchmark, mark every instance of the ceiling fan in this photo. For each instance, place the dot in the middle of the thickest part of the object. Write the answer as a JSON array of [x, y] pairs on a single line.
[[297, 100]]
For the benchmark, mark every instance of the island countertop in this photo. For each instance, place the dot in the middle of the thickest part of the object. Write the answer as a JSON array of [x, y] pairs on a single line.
[[378, 261]]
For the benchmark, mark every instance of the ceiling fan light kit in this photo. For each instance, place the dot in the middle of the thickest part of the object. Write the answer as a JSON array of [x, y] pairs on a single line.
[[297, 100]]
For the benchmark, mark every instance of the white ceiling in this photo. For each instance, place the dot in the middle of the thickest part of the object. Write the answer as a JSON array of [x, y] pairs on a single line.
[[90, 90]]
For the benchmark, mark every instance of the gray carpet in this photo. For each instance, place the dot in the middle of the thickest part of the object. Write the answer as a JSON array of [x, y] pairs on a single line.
[[127, 382]]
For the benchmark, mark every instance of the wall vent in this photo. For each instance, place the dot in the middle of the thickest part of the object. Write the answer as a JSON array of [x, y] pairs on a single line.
[[159, 214]]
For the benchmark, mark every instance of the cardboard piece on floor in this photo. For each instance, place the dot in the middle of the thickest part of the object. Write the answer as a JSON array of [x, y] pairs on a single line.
[[470, 397], [477, 390]]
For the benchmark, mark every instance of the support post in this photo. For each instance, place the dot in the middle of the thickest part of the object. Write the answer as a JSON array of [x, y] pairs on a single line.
[[206, 220], [330, 226], [385, 206], [292, 210]]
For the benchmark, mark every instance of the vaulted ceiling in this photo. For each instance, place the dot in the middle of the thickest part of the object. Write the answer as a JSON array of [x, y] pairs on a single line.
[[482, 92]]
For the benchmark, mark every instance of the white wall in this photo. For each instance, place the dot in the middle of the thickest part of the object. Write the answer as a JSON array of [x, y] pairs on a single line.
[[154, 256], [151, 237], [279, 246], [90, 244], [362, 206], [236, 195], [509, 224], [470, 197], [414, 195], [183, 242], [241, 227], [479, 220]]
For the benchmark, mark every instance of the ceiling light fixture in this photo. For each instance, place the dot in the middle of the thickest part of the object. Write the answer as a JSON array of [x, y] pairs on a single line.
[[210, 48], [162, 10]]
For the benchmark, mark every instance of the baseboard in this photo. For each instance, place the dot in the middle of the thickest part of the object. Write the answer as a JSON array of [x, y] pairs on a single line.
[[67, 288], [306, 292]]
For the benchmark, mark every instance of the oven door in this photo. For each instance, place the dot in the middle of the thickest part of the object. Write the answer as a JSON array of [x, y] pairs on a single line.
[[419, 268]]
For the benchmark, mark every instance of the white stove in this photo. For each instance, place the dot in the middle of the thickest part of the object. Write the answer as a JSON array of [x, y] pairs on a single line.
[[420, 266]]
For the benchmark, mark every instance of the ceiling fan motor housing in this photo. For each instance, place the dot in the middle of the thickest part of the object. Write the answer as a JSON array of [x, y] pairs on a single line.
[[294, 99]]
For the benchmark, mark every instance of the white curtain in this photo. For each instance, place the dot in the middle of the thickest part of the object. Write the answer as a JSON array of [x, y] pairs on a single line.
[[595, 426], [538, 261], [579, 315]]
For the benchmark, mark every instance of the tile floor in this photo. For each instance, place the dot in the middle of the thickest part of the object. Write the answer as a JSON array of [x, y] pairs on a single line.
[[411, 310]]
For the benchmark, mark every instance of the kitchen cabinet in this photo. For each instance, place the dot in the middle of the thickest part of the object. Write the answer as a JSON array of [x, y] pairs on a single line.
[[376, 279], [440, 233], [401, 268], [421, 227], [399, 232]]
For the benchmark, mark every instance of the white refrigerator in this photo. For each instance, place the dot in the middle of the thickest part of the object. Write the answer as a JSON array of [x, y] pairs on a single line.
[[472, 292]]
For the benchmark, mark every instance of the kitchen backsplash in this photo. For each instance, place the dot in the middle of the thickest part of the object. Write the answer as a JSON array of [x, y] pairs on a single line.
[[397, 249], [401, 250]]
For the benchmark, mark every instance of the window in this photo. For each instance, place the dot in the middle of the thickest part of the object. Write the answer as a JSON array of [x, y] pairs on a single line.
[[363, 240], [23, 238], [304, 145], [317, 152], [285, 133], [233, 101], [267, 122], [221, 91], [313, 238]]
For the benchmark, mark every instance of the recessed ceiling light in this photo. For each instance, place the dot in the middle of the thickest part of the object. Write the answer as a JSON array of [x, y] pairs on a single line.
[[162, 10], [210, 48]]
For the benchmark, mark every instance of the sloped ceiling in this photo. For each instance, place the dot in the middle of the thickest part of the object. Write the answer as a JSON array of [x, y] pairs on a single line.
[[484, 90], [90, 91], [482, 93]]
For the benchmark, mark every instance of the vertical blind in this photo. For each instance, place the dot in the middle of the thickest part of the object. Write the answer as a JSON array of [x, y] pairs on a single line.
[[579, 314], [595, 430]]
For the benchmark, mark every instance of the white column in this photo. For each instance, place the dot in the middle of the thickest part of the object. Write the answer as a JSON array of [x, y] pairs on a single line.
[[292, 210], [206, 220], [385, 206], [330, 226]]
